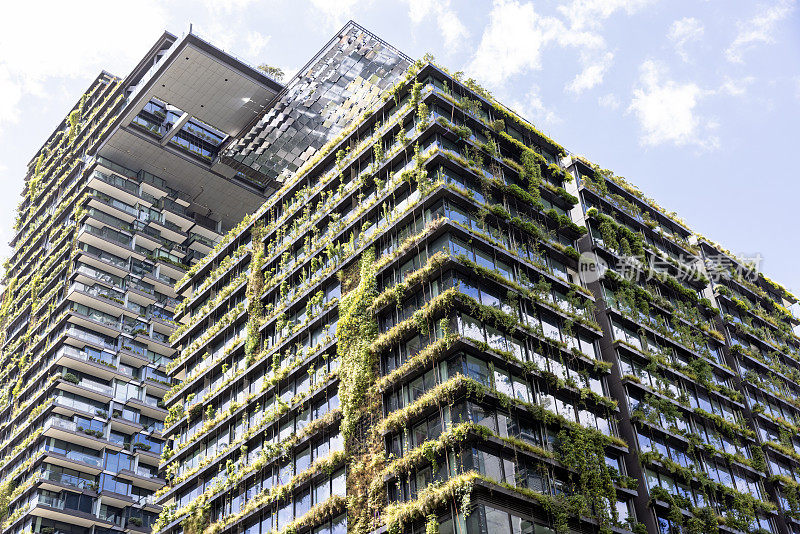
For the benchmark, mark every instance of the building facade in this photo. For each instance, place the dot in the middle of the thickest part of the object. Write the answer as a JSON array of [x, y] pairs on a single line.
[[434, 319], [445, 322], [118, 203]]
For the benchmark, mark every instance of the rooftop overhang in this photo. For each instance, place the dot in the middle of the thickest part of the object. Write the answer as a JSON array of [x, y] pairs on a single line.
[[345, 78], [206, 84], [219, 195], [203, 81]]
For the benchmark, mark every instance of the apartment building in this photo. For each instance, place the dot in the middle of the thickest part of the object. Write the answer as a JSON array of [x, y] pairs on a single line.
[[119, 202], [425, 316], [444, 321]]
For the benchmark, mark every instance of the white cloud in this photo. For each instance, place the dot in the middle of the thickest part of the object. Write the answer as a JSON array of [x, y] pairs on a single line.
[[512, 41], [516, 36], [610, 101], [453, 30], [533, 109], [684, 31], [759, 29], [592, 75], [736, 87], [590, 14], [11, 88], [226, 7], [337, 12], [256, 43], [38, 56], [667, 111]]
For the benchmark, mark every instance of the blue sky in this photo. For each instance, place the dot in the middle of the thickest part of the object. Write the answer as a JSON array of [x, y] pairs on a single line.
[[696, 102]]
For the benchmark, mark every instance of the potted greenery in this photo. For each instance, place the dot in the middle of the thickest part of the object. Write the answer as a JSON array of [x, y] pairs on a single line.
[[69, 377]]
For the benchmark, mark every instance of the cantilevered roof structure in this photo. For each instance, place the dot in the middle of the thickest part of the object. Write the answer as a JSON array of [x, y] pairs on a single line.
[[200, 85], [344, 79]]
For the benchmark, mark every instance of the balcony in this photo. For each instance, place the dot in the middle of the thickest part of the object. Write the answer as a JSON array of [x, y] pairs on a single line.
[[142, 478], [95, 274], [89, 337], [140, 293], [118, 182], [103, 260], [69, 431], [100, 297], [168, 302], [68, 407], [148, 502], [64, 479], [158, 219], [172, 263], [150, 409], [173, 207], [105, 392], [207, 223], [200, 243], [120, 209], [119, 421], [74, 460], [94, 319], [105, 238], [57, 508], [167, 280], [149, 237]]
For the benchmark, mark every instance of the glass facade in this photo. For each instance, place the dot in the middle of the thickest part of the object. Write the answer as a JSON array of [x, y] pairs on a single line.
[[345, 79], [87, 313], [403, 338], [506, 393]]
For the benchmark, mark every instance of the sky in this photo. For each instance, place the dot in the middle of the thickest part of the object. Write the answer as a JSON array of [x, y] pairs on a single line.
[[696, 102]]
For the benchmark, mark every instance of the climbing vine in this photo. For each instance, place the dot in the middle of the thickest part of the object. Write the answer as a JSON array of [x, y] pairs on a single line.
[[360, 401], [199, 517], [255, 286], [584, 453], [356, 328]]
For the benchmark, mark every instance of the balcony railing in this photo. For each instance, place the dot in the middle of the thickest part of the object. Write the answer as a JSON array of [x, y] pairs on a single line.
[[158, 336], [83, 335], [114, 203], [174, 207], [99, 291], [58, 422], [100, 275], [166, 223], [168, 301], [134, 283], [68, 480], [145, 473], [96, 386], [158, 313], [107, 233], [77, 456], [109, 258], [193, 237], [97, 316], [117, 181]]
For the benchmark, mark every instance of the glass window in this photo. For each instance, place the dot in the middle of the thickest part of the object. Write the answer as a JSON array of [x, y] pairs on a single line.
[[339, 484], [497, 521], [471, 328], [484, 260], [550, 327], [502, 383]]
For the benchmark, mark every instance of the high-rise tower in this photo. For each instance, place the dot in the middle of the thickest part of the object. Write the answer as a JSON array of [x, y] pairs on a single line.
[[445, 322], [425, 316], [119, 202]]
